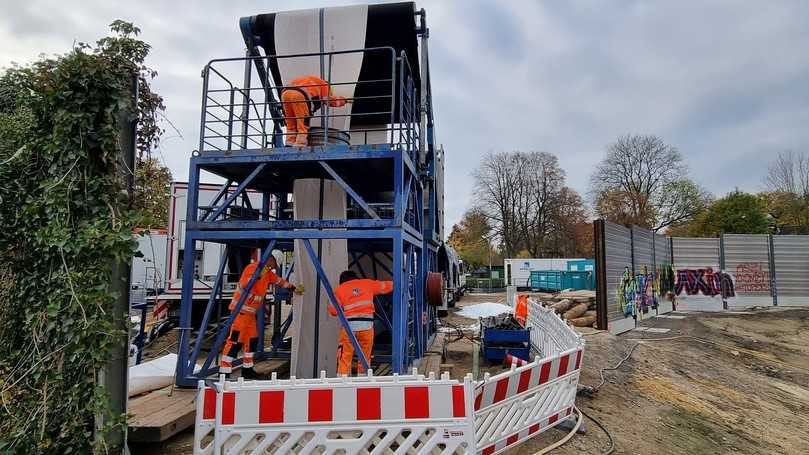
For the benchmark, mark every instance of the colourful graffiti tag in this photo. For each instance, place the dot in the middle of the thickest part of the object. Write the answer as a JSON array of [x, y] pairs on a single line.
[[751, 277], [704, 281], [637, 294]]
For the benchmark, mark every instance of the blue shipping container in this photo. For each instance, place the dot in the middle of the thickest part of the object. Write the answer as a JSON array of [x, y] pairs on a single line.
[[557, 280]]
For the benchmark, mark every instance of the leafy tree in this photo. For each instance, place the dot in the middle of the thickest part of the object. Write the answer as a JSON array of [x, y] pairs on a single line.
[[642, 181], [736, 213], [151, 192], [152, 179], [573, 233], [789, 211], [470, 239]]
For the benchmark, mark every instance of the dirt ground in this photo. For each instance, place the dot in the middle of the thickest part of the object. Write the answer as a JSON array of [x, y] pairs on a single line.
[[742, 387], [718, 383]]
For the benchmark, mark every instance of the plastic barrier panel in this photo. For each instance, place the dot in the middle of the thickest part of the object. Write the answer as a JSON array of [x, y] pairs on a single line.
[[550, 334], [205, 420], [411, 414], [517, 404]]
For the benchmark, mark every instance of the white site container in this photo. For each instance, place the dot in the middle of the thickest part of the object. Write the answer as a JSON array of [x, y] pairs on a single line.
[[518, 270]]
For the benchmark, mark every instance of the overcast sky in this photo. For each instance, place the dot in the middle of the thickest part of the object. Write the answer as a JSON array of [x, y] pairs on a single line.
[[726, 82]]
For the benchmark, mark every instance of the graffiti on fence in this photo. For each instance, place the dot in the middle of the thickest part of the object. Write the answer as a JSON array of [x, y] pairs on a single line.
[[752, 278], [692, 282], [639, 293]]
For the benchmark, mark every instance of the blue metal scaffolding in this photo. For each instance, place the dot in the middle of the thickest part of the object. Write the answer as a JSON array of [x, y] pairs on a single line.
[[388, 172]]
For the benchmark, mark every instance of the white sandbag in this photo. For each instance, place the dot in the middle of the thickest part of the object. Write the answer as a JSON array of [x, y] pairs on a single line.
[[152, 375]]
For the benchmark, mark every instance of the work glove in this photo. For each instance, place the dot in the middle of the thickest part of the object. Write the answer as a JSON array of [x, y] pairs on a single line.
[[298, 289]]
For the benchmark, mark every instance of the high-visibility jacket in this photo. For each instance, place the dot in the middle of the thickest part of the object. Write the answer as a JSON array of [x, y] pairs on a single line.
[[521, 309], [356, 298], [317, 90], [259, 289]]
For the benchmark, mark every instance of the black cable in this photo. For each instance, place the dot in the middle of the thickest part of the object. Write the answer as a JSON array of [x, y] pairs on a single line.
[[589, 390], [604, 429]]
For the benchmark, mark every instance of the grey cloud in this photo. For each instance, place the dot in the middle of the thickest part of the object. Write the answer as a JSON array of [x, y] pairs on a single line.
[[724, 81]]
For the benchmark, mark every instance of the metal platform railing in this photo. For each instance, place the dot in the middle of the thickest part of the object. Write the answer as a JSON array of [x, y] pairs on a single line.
[[242, 107]]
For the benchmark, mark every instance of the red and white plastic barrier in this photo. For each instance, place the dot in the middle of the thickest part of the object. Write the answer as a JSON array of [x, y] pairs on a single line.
[[398, 414], [515, 405], [354, 415], [205, 420]]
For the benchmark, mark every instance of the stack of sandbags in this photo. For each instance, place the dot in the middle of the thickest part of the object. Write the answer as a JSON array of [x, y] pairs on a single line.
[[578, 307]]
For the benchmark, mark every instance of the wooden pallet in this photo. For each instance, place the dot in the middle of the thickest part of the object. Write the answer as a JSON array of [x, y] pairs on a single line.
[[157, 416], [160, 414]]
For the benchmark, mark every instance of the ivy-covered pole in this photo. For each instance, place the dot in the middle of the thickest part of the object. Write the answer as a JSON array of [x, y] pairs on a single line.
[[114, 375]]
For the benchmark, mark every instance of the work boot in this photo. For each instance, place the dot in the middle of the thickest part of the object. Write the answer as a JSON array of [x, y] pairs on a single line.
[[249, 373]]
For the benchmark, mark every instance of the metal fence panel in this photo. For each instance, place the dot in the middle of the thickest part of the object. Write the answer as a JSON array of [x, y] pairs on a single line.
[[697, 271], [618, 248], [662, 259], [662, 250], [747, 259], [643, 240], [792, 269]]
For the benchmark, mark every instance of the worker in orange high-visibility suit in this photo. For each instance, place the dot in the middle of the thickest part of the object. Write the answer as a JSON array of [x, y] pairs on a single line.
[[521, 309], [244, 331], [356, 298], [300, 99]]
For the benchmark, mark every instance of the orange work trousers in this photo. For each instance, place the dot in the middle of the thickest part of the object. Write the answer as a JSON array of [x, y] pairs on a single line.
[[345, 350], [243, 335], [296, 116]]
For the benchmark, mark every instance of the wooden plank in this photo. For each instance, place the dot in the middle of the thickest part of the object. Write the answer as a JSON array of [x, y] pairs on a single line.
[[431, 362], [157, 416]]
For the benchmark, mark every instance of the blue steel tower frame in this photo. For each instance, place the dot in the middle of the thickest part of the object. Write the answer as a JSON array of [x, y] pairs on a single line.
[[392, 225]]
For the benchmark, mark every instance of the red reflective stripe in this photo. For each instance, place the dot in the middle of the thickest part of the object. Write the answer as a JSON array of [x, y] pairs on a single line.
[[369, 404], [417, 402], [488, 450], [458, 402], [511, 439], [228, 408], [544, 372], [533, 428], [500, 391], [478, 399], [271, 406], [553, 418], [563, 365], [578, 359], [208, 404], [320, 405], [525, 379]]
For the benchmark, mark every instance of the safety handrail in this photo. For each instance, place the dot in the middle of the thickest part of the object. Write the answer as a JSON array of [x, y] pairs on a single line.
[[241, 116]]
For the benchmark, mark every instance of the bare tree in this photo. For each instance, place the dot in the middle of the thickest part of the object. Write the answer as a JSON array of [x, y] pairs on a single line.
[[788, 199], [499, 190], [644, 180], [521, 194], [789, 173]]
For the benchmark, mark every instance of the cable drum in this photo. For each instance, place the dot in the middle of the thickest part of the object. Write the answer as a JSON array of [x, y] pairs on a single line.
[[435, 288], [335, 136]]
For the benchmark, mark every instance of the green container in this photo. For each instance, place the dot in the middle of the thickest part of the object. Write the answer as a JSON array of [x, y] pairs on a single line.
[[557, 280]]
